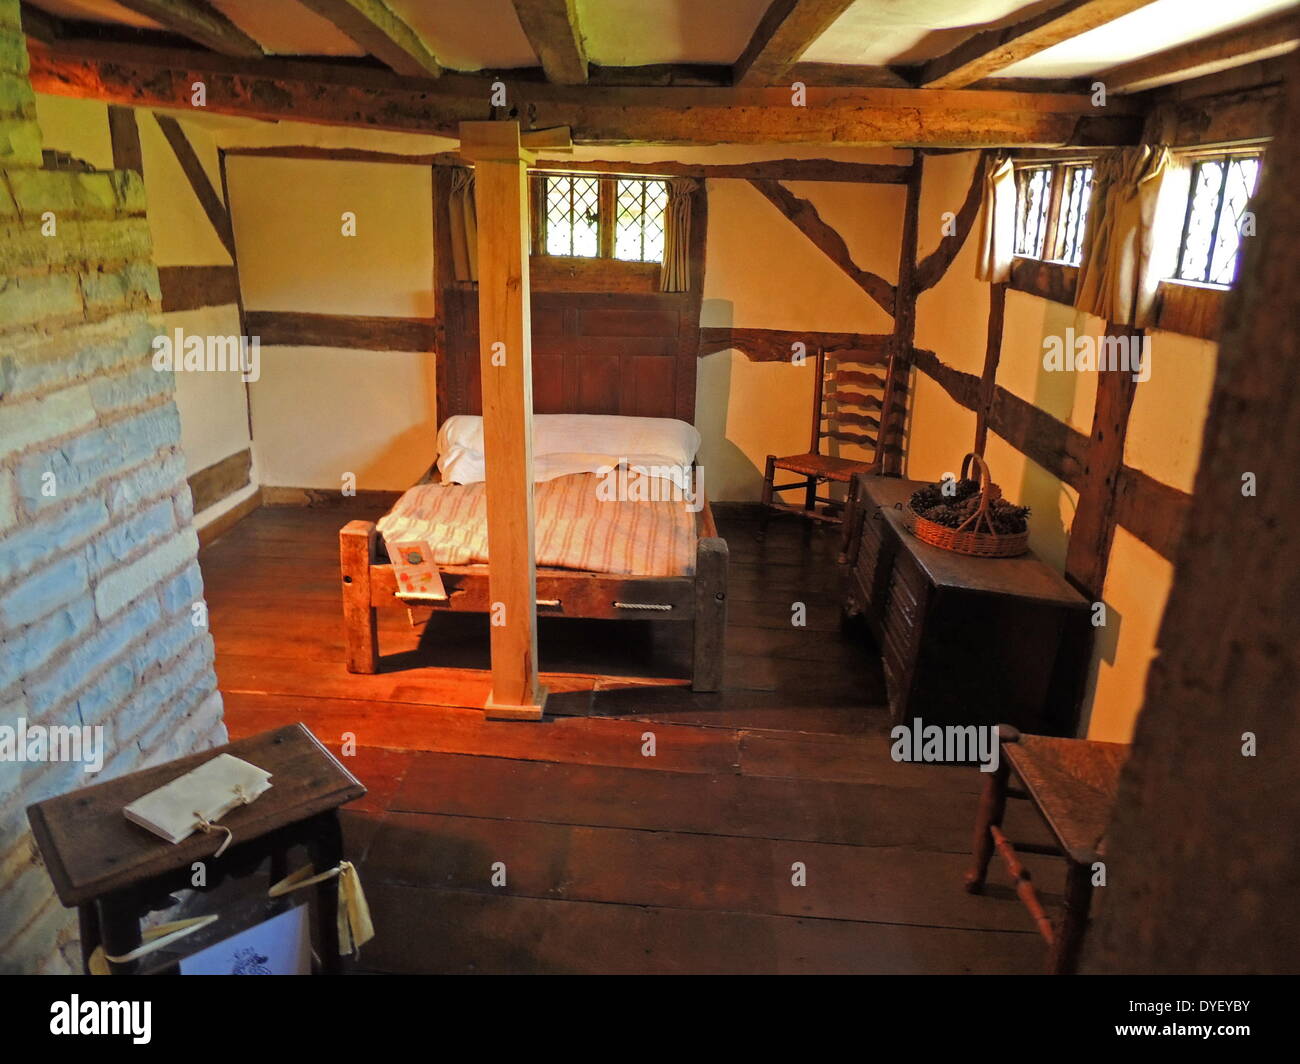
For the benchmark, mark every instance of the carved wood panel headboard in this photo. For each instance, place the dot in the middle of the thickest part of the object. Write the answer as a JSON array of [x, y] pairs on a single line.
[[593, 353]]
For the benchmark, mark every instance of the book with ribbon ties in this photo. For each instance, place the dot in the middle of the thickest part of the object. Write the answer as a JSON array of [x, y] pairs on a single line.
[[195, 801]]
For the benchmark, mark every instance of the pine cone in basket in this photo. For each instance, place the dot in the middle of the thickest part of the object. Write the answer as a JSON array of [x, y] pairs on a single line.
[[952, 511]]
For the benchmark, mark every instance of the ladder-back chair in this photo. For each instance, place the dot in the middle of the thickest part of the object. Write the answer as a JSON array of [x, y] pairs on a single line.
[[869, 403]]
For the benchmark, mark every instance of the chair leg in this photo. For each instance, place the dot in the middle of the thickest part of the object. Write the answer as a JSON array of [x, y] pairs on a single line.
[[769, 478], [993, 804], [1069, 936], [810, 494]]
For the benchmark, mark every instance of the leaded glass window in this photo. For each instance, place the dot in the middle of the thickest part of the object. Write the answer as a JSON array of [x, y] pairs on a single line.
[[1033, 194], [600, 216], [572, 205], [1217, 205], [639, 220], [1073, 216]]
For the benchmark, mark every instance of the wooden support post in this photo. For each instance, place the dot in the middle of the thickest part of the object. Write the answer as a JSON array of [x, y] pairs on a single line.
[[992, 355], [893, 416], [356, 554], [710, 613], [1093, 530], [506, 364]]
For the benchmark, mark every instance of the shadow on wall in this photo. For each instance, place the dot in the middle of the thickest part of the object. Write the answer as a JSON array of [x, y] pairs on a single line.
[[415, 446], [1105, 649], [746, 410], [1055, 392]]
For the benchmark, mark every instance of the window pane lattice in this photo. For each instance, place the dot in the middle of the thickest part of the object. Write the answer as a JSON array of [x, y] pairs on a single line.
[[1033, 187], [639, 220], [572, 216], [1217, 203], [1074, 214]]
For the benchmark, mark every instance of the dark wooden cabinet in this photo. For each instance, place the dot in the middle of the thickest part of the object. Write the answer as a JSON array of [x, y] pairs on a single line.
[[963, 640]]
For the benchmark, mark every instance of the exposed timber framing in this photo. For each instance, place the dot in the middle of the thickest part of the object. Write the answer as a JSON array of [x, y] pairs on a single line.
[[382, 32], [783, 34], [1150, 510], [805, 218], [124, 135], [209, 200], [935, 265], [1093, 529], [334, 94], [297, 329], [551, 27], [774, 169], [848, 74], [778, 345], [221, 479], [989, 51], [992, 356], [893, 431], [200, 22], [239, 288], [1261, 39], [192, 287]]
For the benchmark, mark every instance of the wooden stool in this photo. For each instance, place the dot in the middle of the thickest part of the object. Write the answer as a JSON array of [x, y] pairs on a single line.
[[115, 871], [1072, 783]]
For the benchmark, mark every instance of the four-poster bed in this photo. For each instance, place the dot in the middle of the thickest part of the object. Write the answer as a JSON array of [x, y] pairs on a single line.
[[569, 372]]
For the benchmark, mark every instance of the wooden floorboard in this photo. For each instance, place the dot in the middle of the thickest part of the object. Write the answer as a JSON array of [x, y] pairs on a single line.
[[617, 861], [430, 930]]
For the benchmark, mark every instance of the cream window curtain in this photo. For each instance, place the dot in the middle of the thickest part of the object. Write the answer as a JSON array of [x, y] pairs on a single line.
[[463, 225], [675, 274], [1133, 234], [997, 220]]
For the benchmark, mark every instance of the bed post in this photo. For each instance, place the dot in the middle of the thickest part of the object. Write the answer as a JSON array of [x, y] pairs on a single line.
[[710, 613], [356, 554]]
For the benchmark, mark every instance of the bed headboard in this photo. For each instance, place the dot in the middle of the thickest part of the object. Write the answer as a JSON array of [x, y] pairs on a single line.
[[593, 353]]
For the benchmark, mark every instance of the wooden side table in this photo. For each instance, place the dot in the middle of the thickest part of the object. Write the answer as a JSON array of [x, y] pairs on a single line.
[[116, 872], [1072, 784]]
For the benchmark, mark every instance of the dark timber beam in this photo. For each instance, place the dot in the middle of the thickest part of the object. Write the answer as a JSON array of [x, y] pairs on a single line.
[[124, 136], [935, 265], [348, 95], [212, 204], [989, 51], [1243, 44], [199, 22], [551, 27], [784, 33], [805, 218], [377, 29]]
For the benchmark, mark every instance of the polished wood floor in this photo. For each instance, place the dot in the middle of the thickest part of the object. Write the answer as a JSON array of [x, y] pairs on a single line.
[[614, 861]]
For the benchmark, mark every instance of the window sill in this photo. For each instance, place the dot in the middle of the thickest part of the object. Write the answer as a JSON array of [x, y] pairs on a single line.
[[1190, 308], [1056, 281]]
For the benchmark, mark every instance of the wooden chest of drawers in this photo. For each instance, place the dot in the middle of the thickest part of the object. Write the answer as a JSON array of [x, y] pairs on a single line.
[[963, 640]]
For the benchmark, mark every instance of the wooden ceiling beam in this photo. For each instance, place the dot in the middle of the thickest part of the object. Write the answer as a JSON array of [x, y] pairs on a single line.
[[336, 94], [989, 51], [382, 33], [551, 27], [200, 22], [783, 34], [1261, 39]]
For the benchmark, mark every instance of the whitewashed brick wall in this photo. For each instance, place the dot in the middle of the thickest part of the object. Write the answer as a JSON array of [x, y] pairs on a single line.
[[97, 550]]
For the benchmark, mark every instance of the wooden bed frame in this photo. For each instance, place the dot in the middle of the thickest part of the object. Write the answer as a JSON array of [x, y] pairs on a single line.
[[369, 585], [610, 352]]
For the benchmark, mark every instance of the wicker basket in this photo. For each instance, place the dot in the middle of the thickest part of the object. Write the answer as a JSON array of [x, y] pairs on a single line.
[[969, 539]]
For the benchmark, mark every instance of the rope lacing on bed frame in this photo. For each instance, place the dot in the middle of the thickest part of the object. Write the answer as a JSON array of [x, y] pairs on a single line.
[[643, 605]]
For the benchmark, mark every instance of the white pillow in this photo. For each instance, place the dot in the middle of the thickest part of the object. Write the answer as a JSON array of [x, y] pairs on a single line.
[[575, 443]]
